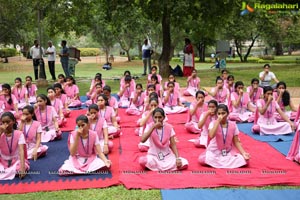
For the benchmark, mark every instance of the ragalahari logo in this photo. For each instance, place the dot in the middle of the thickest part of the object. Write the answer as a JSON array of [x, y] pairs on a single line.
[[246, 8]]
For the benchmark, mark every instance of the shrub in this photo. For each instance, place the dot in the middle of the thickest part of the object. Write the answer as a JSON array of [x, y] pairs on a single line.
[[8, 52], [89, 52]]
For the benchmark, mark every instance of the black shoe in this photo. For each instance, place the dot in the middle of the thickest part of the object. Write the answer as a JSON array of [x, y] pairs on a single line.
[[144, 74]]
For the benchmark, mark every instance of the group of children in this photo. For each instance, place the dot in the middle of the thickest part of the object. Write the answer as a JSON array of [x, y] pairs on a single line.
[[28, 120]]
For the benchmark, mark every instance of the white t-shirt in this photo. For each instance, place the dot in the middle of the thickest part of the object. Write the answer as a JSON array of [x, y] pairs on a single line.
[[268, 78], [35, 52], [51, 57]]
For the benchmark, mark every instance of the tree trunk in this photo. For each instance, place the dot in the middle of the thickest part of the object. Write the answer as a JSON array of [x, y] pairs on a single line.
[[164, 69], [239, 50], [106, 54], [140, 48], [278, 49], [128, 56], [250, 47], [201, 50]]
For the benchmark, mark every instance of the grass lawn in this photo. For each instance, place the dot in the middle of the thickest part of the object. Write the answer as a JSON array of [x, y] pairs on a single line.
[[86, 71]]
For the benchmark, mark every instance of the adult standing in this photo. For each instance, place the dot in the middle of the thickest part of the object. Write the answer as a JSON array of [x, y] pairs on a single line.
[[146, 56], [64, 57], [51, 52], [188, 60], [37, 57], [266, 77]]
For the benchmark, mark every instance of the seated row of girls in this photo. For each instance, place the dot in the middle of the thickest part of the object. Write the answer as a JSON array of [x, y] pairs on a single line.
[[25, 94], [265, 122], [162, 154], [85, 151]]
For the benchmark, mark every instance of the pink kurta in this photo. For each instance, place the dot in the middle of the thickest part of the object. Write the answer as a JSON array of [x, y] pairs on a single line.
[[213, 155], [30, 132], [58, 106], [268, 124], [241, 112], [193, 87], [137, 107], [86, 159], [107, 114], [46, 119], [256, 95], [290, 114], [221, 95], [9, 155], [192, 121], [202, 141], [160, 157], [71, 91], [294, 152], [31, 90], [171, 107], [98, 127], [20, 94], [125, 98]]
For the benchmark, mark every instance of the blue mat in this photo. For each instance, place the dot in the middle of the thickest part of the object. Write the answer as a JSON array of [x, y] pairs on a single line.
[[246, 128], [283, 146], [45, 169], [229, 194]]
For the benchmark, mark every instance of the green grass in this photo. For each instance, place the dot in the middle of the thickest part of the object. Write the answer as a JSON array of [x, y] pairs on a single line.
[[86, 71]]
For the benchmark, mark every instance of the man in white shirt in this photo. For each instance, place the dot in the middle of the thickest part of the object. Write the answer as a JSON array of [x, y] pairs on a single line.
[[265, 77], [37, 58], [51, 52]]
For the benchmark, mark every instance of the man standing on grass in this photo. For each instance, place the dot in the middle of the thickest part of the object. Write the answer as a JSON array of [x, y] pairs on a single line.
[[51, 52], [37, 57], [64, 57]]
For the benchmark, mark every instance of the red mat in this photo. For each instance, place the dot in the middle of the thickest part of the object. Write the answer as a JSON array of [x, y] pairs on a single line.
[[267, 166], [71, 121]]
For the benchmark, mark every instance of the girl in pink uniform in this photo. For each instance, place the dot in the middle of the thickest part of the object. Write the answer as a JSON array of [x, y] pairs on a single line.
[[45, 113], [224, 149], [193, 84], [13, 160], [231, 88], [96, 93], [172, 101], [151, 91], [145, 120], [171, 78], [220, 93], [95, 81], [108, 113], [32, 131], [122, 80], [205, 119], [196, 109], [20, 93], [254, 91], [9, 100], [242, 110], [162, 154], [155, 82], [99, 125], [62, 80], [294, 152], [60, 94], [125, 92], [31, 90], [58, 106], [136, 101], [283, 98], [266, 122], [84, 147], [72, 92], [154, 72], [112, 101]]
